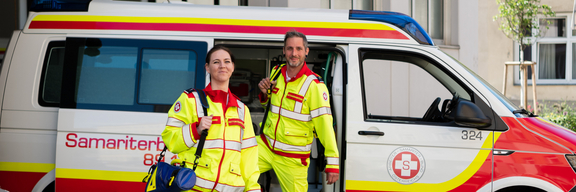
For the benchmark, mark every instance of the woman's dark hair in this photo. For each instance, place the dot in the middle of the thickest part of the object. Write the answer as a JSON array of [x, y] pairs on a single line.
[[216, 48]]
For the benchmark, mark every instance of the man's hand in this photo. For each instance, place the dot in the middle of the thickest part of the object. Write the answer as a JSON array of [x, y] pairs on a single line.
[[265, 84], [332, 177], [205, 123]]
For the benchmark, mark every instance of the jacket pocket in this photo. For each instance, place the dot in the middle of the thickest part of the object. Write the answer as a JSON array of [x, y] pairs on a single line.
[[295, 97], [235, 169], [204, 163], [236, 121], [297, 136]]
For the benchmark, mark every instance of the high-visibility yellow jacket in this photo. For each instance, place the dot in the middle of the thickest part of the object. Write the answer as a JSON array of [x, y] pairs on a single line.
[[229, 160], [300, 110]]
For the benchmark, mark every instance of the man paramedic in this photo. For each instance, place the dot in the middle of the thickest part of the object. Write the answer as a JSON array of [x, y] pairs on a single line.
[[299, 111]]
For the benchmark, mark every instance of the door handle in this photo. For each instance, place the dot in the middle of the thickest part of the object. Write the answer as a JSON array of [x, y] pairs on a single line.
[[377, 133]]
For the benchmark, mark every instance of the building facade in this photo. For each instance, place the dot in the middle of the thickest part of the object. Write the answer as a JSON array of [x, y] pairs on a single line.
[[463, 29], [554, 52]]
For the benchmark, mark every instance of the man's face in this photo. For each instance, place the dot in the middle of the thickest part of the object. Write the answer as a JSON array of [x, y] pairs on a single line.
[[295, 51]]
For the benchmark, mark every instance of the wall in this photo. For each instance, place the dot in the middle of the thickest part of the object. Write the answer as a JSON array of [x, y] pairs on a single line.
[[495, 49]]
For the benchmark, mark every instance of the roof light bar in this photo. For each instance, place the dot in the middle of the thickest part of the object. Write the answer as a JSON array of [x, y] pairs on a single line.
[[400, 20], [59, 5]]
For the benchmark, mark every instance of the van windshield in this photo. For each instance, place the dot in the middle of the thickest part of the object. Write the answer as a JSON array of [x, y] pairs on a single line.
[[511, 106]]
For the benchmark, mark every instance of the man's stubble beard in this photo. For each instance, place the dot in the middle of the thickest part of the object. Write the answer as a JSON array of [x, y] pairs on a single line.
[[295, 65]]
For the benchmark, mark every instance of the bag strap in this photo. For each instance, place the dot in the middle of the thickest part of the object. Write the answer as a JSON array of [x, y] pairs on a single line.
[[274, 77], [153, 167], [204, 133], [203, 101]]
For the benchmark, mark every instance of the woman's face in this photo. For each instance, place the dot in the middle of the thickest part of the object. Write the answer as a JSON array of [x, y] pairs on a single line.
[[220, 67]]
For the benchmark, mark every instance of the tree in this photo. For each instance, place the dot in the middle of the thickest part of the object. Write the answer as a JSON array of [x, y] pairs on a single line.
[[518, 21]]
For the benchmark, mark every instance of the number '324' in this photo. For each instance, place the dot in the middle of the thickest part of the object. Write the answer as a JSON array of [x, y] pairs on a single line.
[[471, 135]]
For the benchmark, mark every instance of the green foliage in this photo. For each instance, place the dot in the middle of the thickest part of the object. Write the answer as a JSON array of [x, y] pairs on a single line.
[[561, 113], [518, 19]]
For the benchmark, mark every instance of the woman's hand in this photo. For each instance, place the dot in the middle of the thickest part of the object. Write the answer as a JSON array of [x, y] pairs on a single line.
[[205, 124]]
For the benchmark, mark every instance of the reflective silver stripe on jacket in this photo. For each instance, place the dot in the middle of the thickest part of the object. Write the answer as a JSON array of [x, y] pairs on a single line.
[[228, 188], [290, 114], [206, 184], [332, 161], [219, 144], [241, 116], [303, 90], [173, 122], [288, 147], [200, 114], [240, 110], [320, 111], [187, 136], [203, 183], [250, 142], [199, 108]]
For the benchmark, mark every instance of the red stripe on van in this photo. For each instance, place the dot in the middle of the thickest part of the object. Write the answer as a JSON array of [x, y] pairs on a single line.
[[552, 131], [73, 185], [521, 136], [366, 33], [19, 181]]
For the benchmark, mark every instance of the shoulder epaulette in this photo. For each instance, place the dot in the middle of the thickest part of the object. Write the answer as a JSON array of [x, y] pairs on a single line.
[[318, 77], [188, 91]]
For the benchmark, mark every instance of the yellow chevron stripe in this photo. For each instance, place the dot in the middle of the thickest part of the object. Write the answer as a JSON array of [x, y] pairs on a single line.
[[190, 20], [445, 186], [26, 167], [100, 175]]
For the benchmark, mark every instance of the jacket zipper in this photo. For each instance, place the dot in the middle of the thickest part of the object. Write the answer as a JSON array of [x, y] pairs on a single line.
[[223, 152], [279, 115]]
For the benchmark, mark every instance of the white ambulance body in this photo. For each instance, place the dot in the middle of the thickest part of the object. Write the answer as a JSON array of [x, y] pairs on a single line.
[[84, 96]]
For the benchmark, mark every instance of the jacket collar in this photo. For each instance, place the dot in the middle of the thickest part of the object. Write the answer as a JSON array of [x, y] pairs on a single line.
[[218, 96], [303, 70]]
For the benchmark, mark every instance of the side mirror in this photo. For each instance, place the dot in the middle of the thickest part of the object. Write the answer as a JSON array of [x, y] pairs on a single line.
[[469, 115]]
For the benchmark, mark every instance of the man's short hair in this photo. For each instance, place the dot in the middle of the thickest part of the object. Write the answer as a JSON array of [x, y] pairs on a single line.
[[294, 33]]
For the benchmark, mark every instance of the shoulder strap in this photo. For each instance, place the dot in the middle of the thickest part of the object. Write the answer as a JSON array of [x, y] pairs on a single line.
[[277, 72], [274, 77], [204, 133], [203, 100]]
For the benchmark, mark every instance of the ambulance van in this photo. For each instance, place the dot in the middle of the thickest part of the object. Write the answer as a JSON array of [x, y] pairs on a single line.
[[85, 90]]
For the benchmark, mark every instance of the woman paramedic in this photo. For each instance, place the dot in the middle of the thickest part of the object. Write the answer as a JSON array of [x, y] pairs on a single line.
[[229, 160]]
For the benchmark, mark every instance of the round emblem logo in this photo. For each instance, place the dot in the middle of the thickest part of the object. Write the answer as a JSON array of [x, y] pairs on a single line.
[[177, 107], [325, 96], [406, 165]]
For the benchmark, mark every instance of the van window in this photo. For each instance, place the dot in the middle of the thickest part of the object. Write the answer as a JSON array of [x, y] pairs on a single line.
[[107, 75], [403, 86], [51, 80], [125, 74], [164, 70]]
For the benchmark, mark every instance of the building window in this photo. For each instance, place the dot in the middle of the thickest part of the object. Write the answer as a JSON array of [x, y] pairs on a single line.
[[430, 15], [552, 60], [554, 51]]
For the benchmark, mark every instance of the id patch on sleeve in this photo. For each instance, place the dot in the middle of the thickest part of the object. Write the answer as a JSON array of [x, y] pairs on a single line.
[[177, 107]]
